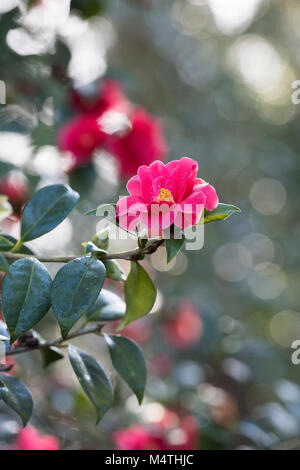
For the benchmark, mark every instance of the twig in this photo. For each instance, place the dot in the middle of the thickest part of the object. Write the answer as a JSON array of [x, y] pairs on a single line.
[[55, 342], [132, 255]]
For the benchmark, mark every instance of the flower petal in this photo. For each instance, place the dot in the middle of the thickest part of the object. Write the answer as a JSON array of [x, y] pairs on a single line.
[[183, 175]]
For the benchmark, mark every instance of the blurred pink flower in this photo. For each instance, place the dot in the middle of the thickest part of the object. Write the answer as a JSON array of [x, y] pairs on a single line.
[[137, 437], [162, 195], [80, 137], [30, 439], [142, 145], [109, 96], [168, 433], [185, 328], [15, 186]]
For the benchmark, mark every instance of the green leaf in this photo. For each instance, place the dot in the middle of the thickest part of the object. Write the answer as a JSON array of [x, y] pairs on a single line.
[[51, 355], [4, 266], [93, 379], [5, 207], [108, 307], [25, 296], [7, 242], [173, 247], [47, 209], [128, 360], [140, 294], [114, 270], [222, 212], [17, 396], [75, 289]]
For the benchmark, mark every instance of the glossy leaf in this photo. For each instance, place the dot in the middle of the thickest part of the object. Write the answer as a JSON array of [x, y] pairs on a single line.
[[140, 294], [47, 209], [4, 266], [7, 242], [108, 307], [75, 289], [173, 247], [222, 212], [128, 360], [17, 396], [93, 379], [25, 296]]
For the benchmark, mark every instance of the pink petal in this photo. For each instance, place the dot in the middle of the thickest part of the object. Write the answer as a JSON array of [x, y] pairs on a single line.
[[134, 187], [182, 175], [158, 169], [195, 202], [130, 205], [144, 175], [212, 199]]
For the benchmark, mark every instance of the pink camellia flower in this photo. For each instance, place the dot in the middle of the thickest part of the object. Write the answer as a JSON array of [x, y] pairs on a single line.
[[15, 186], [109, 96], [79, 138], [30, 439], [163, 195], [138, 437], [142, 145], [170, 432]]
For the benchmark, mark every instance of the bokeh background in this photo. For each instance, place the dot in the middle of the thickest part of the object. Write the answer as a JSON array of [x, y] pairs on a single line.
[[218, 75]]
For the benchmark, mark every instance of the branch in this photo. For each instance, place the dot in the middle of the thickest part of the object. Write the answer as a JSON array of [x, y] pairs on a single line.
[[133, 255], [55, 342]]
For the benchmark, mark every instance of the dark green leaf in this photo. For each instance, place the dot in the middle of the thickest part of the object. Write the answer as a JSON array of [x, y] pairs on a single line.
[[108, 307], [129, 362], [140, 294], [25, 296], [4, 266], [173, 247], [114, 270], [93, 379], [75, 289], [7, 243], [17, 396], [47, 209], [222, 212], [51, 355]]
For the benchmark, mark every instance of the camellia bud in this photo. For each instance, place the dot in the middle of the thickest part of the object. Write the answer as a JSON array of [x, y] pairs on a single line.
[[101, 239], [15, 186]]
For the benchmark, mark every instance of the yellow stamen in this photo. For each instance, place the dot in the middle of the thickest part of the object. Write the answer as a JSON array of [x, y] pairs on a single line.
[[165, 195]]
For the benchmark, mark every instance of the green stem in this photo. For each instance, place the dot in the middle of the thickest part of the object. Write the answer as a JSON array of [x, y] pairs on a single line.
[[17, 246]]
